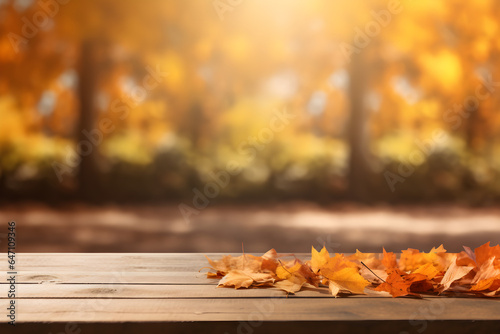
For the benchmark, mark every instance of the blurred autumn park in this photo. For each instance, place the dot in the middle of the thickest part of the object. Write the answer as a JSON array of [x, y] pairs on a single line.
[[195, 125]]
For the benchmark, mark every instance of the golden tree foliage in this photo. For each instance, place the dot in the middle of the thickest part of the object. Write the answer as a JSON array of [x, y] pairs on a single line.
[[226, 76]]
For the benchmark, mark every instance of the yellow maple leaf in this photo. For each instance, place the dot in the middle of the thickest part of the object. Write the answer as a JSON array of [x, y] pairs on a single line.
[[319, 259], [348, 279], [291, 285], [285, 273], [428, 270], [244, 279], [369, 259], [336, 263], [411, 259], [440, 249]]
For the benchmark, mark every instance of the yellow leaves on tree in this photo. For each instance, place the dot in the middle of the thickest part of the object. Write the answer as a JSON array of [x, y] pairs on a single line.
[[414, 273]]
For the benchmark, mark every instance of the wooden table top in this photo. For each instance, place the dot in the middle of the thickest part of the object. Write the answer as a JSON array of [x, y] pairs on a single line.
[[151, 288]]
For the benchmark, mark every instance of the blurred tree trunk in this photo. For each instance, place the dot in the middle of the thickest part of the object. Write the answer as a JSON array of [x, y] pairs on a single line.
[[3, 186], [194, 128], [473, 129], [357, 137], [88, 174]]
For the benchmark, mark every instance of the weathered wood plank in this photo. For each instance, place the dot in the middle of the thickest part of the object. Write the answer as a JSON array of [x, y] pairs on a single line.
[[133, 268], [253, 309], [114, 288], [150, 291], [299, 327], [109, 262], [113, 277]]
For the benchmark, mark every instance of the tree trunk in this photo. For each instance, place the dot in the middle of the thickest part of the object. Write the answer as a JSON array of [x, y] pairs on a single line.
[[359, 171], [473, 128], [88, 174]]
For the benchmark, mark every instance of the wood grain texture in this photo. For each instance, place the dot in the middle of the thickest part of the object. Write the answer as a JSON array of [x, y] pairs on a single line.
[[113, 277], [251, 309], [148, 288], [266, 327], [158, 291]]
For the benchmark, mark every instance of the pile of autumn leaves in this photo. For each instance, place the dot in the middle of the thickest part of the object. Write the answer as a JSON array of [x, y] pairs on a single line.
[[414, 273]]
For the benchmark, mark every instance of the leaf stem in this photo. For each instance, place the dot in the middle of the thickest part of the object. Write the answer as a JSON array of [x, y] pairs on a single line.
[[284, 266], [373, 272]]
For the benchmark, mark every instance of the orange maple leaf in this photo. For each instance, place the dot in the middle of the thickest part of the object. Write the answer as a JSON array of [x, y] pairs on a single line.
[[411, 259], [486, 276], [463, 259], [398, 283], [389, 260], [485, 252], [415, 272], [492, 284]]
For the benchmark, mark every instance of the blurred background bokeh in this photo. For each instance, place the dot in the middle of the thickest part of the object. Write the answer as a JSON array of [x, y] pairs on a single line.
[[199, 125]]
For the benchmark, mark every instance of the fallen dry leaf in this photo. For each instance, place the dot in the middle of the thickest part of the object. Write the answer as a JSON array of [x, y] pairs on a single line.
[[369, 259], [334, 288], [389, 260], [466, 259], [373, 275], [398, 283], [292, 284], [348, 279], [468, 272], [486, 271], [486, 252], [428, 270], [319, 259], [336, 263], [454, 273], [284, 273], [244, 279], [487, 276]]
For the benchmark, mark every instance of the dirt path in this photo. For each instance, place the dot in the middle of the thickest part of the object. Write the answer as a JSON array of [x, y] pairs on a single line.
[[291, 227]]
